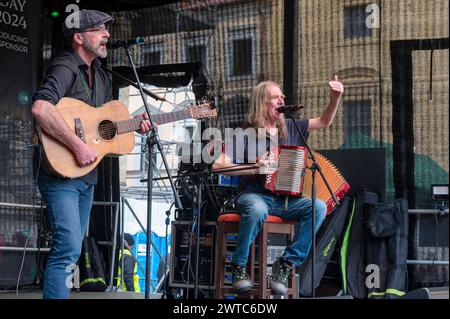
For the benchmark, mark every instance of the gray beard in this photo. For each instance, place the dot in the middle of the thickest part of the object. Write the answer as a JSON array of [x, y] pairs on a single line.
[[97, 51]]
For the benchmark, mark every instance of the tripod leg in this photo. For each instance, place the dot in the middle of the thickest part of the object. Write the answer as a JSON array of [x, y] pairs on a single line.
[[313, 232]]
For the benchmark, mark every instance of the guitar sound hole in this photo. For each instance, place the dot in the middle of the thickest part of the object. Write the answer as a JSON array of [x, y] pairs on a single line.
[[107, 130]]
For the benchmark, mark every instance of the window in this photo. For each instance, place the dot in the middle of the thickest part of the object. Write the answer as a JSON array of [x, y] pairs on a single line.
[[242, 54], [357, 118], [355, 22]]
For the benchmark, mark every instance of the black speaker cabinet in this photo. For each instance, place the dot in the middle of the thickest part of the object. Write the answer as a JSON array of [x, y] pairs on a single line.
[[363, 166], [183, 245]]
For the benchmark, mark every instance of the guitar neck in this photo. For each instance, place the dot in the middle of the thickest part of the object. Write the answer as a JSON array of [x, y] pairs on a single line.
[[164, 118], [134, 124]]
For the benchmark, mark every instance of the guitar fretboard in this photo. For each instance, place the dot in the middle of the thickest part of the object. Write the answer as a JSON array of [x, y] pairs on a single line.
[[134, 124], [172, 116]]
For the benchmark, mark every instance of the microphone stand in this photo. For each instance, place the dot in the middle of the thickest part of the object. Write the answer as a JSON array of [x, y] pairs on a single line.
[[152, 139], [314, 168], [126, 80]]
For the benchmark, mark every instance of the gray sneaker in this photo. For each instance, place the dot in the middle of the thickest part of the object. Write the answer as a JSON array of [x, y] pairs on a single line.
[[241, 280], [278, 279]]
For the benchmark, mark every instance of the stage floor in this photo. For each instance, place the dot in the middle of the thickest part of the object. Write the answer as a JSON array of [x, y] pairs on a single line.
[[423, 293], [37, 294]]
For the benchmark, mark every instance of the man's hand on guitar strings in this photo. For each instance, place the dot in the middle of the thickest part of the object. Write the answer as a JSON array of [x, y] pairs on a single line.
[[145, 124]]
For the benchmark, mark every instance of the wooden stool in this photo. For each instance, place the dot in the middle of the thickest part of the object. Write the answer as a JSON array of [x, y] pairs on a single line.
[[228, 227]]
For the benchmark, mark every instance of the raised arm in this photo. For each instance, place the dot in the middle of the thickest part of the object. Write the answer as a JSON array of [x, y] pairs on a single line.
[[336, 91]]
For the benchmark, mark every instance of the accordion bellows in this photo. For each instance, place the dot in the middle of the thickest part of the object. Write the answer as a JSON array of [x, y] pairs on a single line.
[[337, 182], [293, 178]]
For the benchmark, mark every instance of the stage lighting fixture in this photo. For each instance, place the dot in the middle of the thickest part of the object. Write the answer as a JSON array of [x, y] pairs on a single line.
[[439, 192]]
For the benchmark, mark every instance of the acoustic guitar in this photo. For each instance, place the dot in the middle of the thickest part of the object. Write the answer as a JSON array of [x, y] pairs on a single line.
[[109, 129]]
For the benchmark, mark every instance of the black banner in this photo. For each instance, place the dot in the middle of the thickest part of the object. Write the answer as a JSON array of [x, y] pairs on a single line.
[[20, 56]]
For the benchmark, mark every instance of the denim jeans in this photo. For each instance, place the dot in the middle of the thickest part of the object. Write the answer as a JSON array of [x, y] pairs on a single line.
[[254, 209], [69, 203]]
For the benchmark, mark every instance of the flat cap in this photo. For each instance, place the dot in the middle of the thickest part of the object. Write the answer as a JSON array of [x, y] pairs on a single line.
[[82, 20]]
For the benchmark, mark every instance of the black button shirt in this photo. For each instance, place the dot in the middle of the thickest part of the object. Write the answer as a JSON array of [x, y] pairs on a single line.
[[68, 77]]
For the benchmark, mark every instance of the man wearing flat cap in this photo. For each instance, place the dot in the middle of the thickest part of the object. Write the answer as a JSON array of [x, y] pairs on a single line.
[[75, 73]]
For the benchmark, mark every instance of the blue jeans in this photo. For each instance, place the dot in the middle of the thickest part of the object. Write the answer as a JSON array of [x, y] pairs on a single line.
[[254, 209], [69, 203]]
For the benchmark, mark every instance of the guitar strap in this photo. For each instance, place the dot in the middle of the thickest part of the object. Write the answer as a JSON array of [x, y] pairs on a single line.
[[35, 132], [92, 94]]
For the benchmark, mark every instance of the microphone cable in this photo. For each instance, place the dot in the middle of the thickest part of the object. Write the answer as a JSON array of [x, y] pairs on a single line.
[[33, 214]]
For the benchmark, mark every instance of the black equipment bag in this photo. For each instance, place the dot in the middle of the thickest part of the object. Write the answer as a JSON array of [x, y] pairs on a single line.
[[328, 238], [375, 248], [387, 248], [383, 220], [353, 251], [92, 274]]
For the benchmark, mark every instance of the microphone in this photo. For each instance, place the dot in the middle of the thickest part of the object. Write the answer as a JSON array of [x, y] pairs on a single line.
[[289, 108], [114, 44]]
